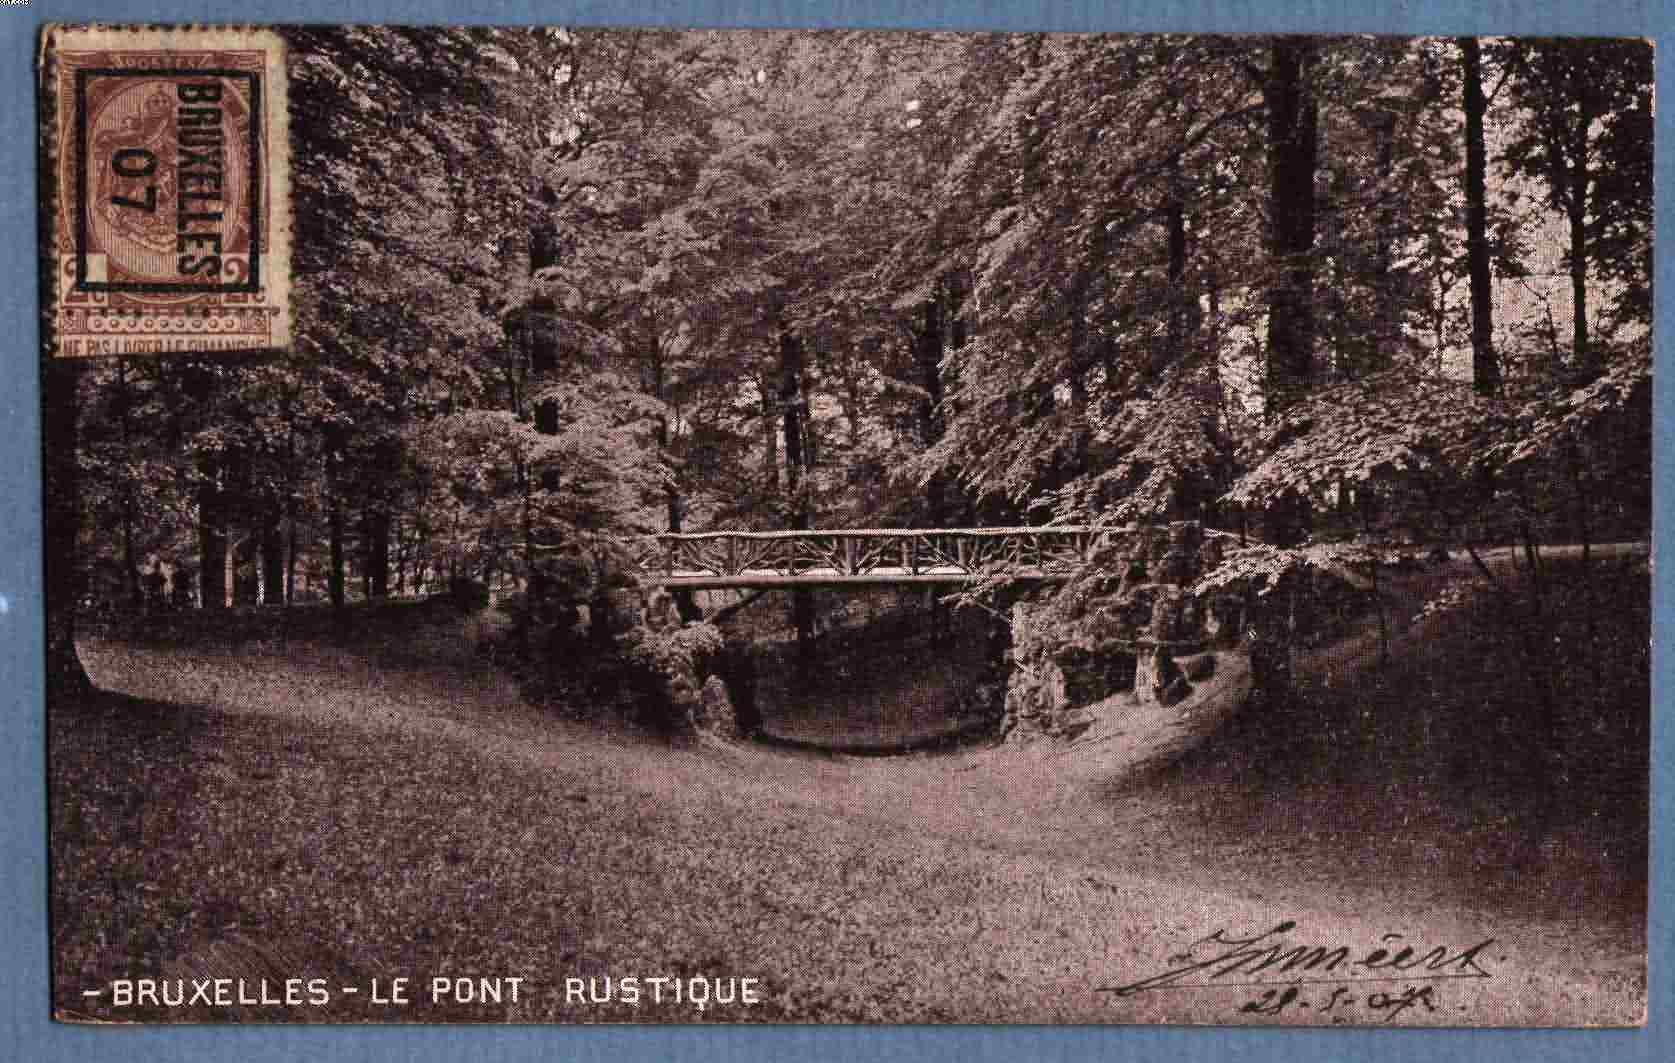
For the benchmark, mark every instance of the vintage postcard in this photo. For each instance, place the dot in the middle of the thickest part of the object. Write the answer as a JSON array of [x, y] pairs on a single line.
[[576, 525]]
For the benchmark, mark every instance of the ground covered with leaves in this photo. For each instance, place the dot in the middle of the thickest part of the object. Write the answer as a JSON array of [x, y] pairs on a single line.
[[386, 806]]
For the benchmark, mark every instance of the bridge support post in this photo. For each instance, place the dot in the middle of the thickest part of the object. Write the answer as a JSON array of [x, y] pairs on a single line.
[[737, 669], [802, 617], [999, 633]]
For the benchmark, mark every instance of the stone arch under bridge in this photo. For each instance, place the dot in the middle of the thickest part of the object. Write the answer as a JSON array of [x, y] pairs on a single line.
[[1150, 617]]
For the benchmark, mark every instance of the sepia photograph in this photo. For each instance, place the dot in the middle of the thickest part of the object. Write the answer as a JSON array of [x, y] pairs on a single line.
[[578, 524]]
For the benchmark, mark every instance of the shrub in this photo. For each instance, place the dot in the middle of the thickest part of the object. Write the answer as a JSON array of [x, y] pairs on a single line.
[[467, 594], [669, 666]]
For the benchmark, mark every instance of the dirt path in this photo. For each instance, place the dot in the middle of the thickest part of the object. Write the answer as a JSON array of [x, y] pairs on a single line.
[[994, 885]]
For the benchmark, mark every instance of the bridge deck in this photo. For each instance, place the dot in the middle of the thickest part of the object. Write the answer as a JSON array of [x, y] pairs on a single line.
[[822, 577], [853, 556]]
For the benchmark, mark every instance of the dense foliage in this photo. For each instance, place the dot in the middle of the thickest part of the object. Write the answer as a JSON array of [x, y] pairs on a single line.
[[557, 287]]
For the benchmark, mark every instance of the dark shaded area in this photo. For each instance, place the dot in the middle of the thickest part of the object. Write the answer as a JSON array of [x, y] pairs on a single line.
[[130, 777], [1502, 754], [911, 679], [191, 844], [316, 622]]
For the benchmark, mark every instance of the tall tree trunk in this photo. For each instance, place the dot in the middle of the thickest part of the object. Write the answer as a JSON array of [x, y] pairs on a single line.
[[770, 438], [375, 551], [543, 361], [853, 404], [1485, 366], [794, 406], [291, 508], [960, 509], [247, 575], [1215, 396], [929, 342], [1439, 319], [930, 345], [211, 499], [336, 586], [1181, 321], [1293, 135], [1174, 217], [1387, 331], [542, 345], [61, 475], [400, 558], [543, 341], [927, 358], [212, 541], [1581, 355], [685, 603], [273, 559], [791, 407], [290, 555], [130, 560]]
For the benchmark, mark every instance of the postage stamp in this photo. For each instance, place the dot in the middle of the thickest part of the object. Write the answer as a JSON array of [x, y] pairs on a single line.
[[169, 179]]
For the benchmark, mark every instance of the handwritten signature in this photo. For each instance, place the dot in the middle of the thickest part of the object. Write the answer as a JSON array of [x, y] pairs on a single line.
[[1276, 966]]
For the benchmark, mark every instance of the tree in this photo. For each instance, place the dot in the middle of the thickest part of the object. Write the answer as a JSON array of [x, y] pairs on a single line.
[[425, 157], [1074, 207], [1585, 109], [1484, 365], [1293, 116], [649, 281], [61, 526]]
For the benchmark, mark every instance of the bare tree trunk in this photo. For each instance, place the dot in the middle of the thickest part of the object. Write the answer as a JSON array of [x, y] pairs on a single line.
[[130, 563], [1387, 330], [375, 551], [1293, 139], [793, 404], [335, 576], [1581, 356], [212, 546], [247, 574], [1485, 367], [130, 560], [770, 439], [685, 603], [929, 342], [956, 328], [291, 555], [400, 558], [62, 525], [212, 534], [543, 342], [1175, 223], [1293, 136], [273, 558]]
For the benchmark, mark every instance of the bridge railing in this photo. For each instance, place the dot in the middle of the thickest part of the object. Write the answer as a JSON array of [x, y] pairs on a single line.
[[872, 554]]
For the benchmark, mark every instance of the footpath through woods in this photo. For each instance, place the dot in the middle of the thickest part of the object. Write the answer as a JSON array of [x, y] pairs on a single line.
[[995, 884]]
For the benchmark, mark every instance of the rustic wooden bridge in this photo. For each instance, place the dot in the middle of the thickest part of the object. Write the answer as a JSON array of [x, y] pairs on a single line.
[[742, 559]]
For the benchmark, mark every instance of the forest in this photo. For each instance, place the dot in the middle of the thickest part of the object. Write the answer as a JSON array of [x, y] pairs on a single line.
[[559, 287]]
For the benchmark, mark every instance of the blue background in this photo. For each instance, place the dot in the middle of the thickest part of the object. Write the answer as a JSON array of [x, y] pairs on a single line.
[[25, 1030]]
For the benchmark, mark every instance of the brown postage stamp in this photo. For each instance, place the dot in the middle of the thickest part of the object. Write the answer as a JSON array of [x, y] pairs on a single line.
[[168, 174]]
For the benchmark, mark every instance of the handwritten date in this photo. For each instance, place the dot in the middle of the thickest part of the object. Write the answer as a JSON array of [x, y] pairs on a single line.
[[1339, 1001]]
